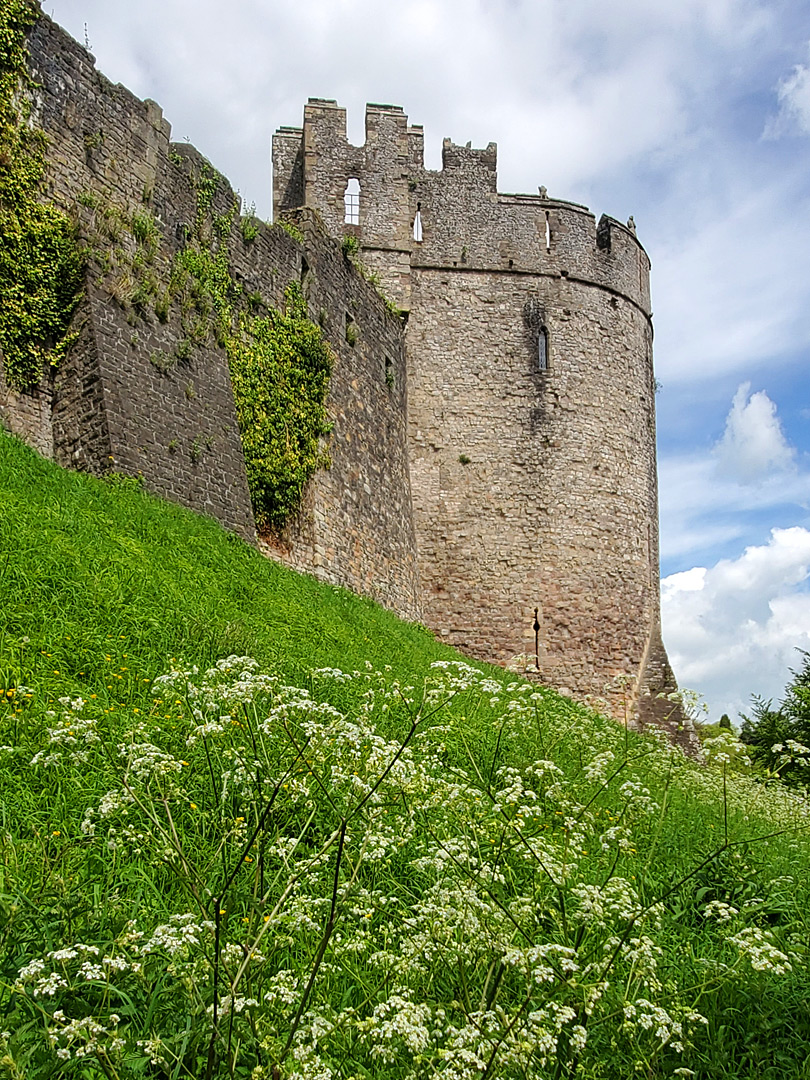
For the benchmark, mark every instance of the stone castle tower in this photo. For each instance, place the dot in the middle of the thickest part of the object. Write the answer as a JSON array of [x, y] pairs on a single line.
[[530, 403]]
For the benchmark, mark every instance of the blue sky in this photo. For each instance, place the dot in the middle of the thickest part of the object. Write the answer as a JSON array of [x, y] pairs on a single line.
[[694, 117]]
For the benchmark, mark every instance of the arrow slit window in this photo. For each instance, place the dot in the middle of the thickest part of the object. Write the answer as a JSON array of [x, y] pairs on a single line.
[[542, 349]]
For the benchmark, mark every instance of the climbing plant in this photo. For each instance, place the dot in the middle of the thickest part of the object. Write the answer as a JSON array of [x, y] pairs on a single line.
[[280, 367], [279, 362], [40, 264]]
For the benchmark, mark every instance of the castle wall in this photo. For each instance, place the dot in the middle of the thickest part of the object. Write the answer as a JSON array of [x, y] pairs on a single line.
[[534, 489], [522, 484], [113, 407], [133, 397], [27, 413], [355, 526]]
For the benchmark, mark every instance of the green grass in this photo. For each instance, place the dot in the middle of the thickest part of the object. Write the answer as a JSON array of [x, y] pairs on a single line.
[[92, 568], [404, 871]]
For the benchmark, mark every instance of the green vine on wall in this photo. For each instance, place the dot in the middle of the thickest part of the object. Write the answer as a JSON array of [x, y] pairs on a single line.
[[40, 264], [279, 362], [280, 367]]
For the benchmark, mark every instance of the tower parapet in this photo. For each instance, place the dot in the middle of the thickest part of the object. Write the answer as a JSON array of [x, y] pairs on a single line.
[[464, 222], [376, 174]]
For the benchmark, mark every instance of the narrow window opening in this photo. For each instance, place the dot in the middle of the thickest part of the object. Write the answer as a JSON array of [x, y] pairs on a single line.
[[304, 269], [542, 349], [417, 224], [351, 202], [351, 330], [548, 232], [389, 373]]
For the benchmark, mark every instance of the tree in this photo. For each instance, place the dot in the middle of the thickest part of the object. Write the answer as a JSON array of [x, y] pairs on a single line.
[[779, 738]]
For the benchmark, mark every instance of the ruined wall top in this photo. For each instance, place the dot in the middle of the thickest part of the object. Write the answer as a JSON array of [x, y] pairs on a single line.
[[452, 218]]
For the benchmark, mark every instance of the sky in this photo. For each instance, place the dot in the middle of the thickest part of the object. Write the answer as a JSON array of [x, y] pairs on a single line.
[[693, 116]]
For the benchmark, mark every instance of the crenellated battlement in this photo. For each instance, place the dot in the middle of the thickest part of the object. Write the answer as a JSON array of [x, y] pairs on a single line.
[[454, 217]]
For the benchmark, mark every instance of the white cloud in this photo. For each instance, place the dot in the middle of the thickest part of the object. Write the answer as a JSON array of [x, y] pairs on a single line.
[[794, 104], [729, 291], [710, 499], [732, 629], [701, 510], [569, 91], [753, 445]]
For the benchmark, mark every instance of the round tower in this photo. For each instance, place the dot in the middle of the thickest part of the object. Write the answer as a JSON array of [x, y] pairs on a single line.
[[530, 407]]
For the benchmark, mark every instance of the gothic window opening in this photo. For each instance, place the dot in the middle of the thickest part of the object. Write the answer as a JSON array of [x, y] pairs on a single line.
[[542, 349], [351, 202], [417, 224], [548, 232]]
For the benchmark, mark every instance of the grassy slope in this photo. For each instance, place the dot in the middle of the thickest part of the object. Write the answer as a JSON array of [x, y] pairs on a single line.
[[108, 584], [91, 569]]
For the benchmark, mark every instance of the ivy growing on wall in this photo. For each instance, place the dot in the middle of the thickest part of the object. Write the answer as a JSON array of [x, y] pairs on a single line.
[[40, 265], [279, 362], [280, 370]]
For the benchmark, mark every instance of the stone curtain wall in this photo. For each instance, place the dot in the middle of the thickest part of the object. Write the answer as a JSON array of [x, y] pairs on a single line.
[[356, 524], [29, 414], [113, 408], [123, 401]]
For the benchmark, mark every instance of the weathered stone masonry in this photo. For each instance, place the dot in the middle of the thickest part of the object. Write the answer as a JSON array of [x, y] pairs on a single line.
[[110, 407], [530, 399], [495, 456]]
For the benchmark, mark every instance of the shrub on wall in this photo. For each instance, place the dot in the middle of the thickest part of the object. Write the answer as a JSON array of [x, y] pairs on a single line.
[[39, 260], [279, 363], [280, 368]]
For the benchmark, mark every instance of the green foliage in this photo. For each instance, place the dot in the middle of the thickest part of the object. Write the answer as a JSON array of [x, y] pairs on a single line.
[[145, 231], [279, 362], [778, 739], [291, 229], [280, 367], [125, 246], [40, 266], [207, 184], [350, 246], [163, 361], [249, 225], [358, 855]]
